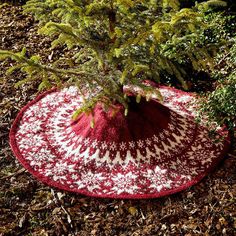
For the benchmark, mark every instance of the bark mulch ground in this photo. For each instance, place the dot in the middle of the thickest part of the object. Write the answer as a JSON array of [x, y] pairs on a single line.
[[28, 207]]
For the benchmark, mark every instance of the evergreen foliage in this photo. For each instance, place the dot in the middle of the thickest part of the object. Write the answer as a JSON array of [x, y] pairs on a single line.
[[118, 43], [220, 105]]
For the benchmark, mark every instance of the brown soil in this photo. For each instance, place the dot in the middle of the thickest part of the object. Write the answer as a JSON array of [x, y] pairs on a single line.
[[28, 207]]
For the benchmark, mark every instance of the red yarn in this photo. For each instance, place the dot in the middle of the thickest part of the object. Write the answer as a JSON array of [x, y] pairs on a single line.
[[157, 150]]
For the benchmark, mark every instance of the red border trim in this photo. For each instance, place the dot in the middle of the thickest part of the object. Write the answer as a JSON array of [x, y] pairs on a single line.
[[51, 183]]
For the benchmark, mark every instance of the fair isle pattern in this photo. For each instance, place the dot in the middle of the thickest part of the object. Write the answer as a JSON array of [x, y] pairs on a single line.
[[177, 157]]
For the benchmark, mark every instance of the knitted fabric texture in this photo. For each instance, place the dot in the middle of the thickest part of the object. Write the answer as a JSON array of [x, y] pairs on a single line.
[[157, 150]]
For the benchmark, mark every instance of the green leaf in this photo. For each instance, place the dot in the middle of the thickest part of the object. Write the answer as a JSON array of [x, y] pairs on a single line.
[[21, 82], [123, 76], [13, 68], [45, 84], [23, 51], [35, 58], [77, 113], [118, 32], [140, 68], [216, 3], [117, 52]]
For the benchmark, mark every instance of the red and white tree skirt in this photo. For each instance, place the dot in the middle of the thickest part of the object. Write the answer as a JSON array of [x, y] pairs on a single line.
[[158, 149]]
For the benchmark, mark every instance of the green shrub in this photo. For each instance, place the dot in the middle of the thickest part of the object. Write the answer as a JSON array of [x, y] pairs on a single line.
[[220, 105], [120, 42]]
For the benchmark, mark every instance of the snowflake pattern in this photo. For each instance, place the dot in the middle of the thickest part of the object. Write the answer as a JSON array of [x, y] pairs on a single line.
[[140, 144], [38, 112], [104, 145], [90, 180], [112, 146], [158, 179], [33, 127], [123, 146], [155, 138], [39, 157], [31, 142], [58, 170], [94, 144], [182, 167], [148, 142], [124, 183], [131, 144], [63, 157], [171, 127], [86, 141]]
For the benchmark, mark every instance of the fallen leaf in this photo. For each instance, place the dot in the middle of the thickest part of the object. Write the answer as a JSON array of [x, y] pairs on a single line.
[[133, 211]]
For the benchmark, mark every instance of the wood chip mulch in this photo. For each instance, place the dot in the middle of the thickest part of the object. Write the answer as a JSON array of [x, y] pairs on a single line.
[[28, 207]]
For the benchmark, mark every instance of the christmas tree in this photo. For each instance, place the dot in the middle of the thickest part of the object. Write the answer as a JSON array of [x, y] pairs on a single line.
[[117, 44], [118, 144]]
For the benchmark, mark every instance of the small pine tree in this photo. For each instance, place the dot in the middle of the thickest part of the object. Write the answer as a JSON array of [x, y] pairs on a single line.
[[117, 43]]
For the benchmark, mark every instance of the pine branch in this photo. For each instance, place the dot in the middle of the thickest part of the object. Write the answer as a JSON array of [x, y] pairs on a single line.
[[121, 42]]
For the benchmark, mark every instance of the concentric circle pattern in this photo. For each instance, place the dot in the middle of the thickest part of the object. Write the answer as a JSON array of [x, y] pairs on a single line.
[[158, 149]]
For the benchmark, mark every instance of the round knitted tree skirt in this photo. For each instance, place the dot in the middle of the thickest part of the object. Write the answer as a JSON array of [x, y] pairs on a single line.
[[157, 150]]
